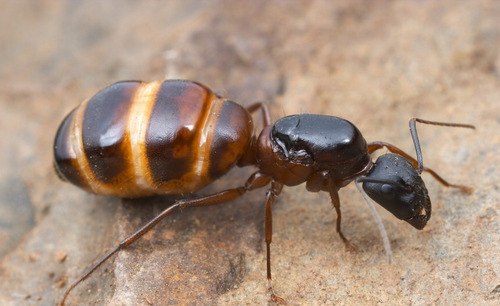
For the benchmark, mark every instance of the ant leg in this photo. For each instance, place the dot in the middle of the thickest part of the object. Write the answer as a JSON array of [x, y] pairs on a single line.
[[272, 194], [416, 142], [373, 146], [334, 195], [266, 118], [256, 180], [413, 131]]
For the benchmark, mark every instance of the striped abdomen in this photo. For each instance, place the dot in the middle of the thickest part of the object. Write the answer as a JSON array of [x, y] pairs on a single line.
[[135, 139]]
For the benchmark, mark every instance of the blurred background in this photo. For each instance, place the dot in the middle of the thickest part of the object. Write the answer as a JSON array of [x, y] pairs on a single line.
[[376, 64]]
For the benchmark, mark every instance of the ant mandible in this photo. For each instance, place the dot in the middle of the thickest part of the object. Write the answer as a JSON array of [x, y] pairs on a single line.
[[135, 139]]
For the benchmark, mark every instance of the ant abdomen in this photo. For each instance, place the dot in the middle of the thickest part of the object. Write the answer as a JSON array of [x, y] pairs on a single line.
[[136, 139]]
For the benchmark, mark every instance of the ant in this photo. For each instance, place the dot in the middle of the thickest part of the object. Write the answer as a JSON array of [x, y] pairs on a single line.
[[135, 139]]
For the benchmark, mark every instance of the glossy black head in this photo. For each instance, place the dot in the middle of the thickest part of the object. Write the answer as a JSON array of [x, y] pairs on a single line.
[[396, 185]]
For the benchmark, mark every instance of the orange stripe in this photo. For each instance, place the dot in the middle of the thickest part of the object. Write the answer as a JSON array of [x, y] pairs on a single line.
[[207, 133], [140, 112]]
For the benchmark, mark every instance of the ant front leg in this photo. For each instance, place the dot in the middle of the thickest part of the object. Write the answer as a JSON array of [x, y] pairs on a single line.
[[373, 146], [416, 142], [334, 195], [418, 163], [272, 194]]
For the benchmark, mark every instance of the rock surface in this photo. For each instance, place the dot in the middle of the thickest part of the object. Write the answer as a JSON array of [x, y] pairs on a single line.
[[374, 63]]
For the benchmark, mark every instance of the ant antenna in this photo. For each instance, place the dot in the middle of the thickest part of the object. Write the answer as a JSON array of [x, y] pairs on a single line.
[[416, 142], [381, 228]]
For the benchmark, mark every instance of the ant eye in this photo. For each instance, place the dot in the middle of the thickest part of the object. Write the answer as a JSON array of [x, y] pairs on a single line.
[[388, 190]]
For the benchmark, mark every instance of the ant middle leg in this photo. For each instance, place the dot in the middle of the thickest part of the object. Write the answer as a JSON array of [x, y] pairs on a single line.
[[272, 194]]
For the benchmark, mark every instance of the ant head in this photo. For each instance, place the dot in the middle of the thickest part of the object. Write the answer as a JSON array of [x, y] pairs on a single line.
[[395, 184]]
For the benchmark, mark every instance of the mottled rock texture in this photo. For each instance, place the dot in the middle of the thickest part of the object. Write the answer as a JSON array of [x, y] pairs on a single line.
[[375, 63]]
